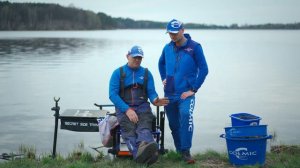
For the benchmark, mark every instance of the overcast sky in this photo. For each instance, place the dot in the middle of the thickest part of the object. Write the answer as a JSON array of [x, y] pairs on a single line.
[[220, 12]]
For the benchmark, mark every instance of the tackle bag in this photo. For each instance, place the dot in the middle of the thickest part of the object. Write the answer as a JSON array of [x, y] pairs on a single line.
[[105, 126]]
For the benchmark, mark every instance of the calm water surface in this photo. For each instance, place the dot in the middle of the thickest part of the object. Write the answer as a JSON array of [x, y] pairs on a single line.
[[249, 71]]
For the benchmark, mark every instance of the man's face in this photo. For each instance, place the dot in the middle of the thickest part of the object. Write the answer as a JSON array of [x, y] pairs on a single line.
[[134, 62], [176, 37]]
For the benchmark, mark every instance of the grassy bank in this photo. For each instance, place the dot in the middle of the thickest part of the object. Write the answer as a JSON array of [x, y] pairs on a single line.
[[279, 157]]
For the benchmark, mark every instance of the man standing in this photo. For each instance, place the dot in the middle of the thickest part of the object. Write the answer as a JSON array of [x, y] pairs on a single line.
[[130, 87], [183, 69]]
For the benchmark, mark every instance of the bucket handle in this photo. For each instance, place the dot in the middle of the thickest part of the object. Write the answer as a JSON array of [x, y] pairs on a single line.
[[222, 136]]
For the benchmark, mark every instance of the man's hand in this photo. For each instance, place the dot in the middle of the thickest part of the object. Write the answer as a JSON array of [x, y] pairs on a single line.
[[164, 82], [132, 115], [161, 101], [184, 95]]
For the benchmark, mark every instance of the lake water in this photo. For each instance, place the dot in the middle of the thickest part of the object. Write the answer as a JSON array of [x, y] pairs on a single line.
[[254, 71]]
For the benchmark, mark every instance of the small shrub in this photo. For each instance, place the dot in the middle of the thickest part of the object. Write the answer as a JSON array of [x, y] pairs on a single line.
[[28, 151]]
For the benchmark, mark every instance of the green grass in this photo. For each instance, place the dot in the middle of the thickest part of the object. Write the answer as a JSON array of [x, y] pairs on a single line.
[[278, 157]]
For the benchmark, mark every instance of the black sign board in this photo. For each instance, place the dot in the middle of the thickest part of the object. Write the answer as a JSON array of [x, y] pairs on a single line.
[[81, 120]]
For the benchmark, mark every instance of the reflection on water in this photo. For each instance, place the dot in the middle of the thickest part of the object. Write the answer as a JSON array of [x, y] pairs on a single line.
[[46, 49], [250, 71], [42, 46]]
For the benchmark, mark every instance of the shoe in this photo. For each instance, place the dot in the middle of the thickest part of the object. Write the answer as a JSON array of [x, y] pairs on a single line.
[[145, 152], [152, 159], [186, 156]]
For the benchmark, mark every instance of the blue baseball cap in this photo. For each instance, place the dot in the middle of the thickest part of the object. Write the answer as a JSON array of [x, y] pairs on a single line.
[[136, 51], [174, 26]]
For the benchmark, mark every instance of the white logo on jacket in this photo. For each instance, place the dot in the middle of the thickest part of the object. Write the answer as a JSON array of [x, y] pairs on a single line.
[[188, 49]]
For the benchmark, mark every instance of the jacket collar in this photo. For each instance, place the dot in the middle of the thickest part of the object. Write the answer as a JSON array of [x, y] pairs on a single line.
[[188, 37]]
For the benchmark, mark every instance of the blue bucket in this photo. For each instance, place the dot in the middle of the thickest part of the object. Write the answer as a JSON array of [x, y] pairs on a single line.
[[246, 151], [246, 131], [240, 119]]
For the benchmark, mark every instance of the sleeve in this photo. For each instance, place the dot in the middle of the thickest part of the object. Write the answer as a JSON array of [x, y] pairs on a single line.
[[202, 67], [114, 89], [151, 88], [162, 65]]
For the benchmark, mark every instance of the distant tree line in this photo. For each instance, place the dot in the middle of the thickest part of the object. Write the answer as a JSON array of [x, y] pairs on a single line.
[[41, 16]]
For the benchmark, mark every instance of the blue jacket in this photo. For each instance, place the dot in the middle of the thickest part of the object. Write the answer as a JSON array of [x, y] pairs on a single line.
[[133, 76], [184, 67]]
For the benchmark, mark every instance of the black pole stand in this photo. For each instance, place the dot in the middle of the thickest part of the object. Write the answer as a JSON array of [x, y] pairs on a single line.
[[56, 115], [162, 128], [157, 116]]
